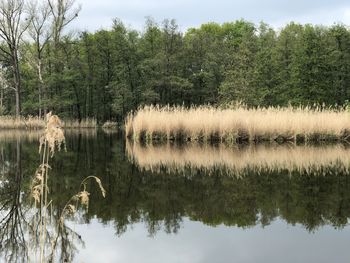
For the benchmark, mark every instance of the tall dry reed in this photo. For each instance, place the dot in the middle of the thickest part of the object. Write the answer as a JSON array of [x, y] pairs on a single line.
[[33, 123], [84, 123], [10, 122], [52, 140], [110, 125], [238, 124]]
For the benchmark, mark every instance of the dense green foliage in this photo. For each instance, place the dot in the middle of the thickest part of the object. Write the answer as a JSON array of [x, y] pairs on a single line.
[[110, 72]]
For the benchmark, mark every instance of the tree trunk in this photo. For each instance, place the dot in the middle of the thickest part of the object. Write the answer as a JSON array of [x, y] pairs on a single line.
[[42, 94], [2, 95], [17, 82], [18, 104]]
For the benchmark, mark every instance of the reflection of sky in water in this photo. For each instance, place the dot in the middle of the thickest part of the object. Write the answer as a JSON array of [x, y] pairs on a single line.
[[196, 242]]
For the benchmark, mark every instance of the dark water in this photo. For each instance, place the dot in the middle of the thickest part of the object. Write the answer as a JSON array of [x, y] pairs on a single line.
[[200, 211]]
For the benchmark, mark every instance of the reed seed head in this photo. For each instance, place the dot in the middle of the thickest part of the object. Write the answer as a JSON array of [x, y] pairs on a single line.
[[53, 136], [83, 196]]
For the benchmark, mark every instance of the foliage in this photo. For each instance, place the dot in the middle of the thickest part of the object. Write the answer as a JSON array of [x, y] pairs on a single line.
[[108, 73]]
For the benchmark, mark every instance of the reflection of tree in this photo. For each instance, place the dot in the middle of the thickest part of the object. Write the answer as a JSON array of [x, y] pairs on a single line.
[[161, 200], [18, 221], [12, 223], [66, 239]]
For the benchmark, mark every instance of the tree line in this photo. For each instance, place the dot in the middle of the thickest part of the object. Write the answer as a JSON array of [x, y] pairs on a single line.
[[108, 73]]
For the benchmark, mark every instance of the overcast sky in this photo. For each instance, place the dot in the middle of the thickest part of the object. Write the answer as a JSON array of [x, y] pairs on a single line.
[[97, 14]]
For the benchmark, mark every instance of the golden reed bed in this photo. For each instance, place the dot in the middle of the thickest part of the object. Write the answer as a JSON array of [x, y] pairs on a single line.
[[238, 124], [301, 159], [33, 123]]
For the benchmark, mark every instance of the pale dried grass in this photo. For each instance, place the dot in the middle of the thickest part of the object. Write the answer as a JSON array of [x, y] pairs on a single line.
[[84, 123], [35, 123], [9, 122], [110, 125], [231, 124]]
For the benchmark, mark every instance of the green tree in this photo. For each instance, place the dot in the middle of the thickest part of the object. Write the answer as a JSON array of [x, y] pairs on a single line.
[[239, 76]]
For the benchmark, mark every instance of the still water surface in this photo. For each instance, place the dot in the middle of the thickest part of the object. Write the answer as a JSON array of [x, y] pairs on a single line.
[[188, 203]]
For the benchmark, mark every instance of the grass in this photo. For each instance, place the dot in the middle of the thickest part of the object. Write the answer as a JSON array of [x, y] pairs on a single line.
[[110, 125], [239, 124], [262, 157], [32, 123], [84, 123], [35, 123]]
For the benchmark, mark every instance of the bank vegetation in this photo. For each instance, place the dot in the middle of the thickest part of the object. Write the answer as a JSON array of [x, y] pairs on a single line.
[[238, 124]]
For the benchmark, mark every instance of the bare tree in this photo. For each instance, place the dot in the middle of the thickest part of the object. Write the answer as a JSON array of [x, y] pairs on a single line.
[[3, 87], [12, 27], [12, 215], [40, 31], [63, 12], [49, 18]]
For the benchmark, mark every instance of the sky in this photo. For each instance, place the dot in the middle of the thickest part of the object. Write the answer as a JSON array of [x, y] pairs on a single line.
[[98, 14]]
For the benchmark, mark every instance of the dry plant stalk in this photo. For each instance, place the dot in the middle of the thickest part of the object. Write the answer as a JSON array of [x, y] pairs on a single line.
[[238, 123], [82, 197], [52, 140], [70, 208]]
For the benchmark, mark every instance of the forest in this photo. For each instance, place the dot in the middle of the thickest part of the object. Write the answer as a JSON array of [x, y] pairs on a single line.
[[110, 72]]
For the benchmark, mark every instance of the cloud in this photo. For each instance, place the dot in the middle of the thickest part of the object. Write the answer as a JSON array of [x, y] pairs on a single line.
[[346, 16], [99, 14]]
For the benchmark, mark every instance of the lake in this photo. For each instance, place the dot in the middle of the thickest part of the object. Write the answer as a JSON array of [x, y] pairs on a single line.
[[179, 203]]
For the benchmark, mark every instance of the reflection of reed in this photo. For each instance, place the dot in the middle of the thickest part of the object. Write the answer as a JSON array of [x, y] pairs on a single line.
[[303, 159], [34, 135], [14, 135]]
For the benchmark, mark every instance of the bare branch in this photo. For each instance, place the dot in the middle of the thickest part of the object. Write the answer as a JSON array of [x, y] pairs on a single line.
[[64, 13], [12, 28]]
